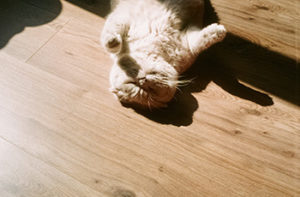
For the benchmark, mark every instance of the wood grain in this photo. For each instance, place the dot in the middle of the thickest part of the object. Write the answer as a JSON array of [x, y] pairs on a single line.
[[62, 133], [23, 175], [272, 24]]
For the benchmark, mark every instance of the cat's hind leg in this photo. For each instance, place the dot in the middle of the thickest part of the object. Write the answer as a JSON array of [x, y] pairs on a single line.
[[198, 40]]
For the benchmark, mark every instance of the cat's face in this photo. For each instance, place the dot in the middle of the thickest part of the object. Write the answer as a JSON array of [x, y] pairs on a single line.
[[145, 81]]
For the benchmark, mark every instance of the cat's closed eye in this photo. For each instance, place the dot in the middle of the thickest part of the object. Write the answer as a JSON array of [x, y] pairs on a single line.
[[153, 72]]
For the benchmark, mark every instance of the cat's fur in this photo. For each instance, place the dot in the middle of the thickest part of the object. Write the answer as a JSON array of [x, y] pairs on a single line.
[[152, 42]]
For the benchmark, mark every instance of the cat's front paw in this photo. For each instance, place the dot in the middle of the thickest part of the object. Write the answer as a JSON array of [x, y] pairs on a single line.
[[113, 43]]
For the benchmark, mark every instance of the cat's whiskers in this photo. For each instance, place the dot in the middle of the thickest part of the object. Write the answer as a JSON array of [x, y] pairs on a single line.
[[178, 89], [185, 82], [149, 105]]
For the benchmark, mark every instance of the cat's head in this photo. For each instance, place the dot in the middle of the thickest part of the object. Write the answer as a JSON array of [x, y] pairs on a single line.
[[148, 82]]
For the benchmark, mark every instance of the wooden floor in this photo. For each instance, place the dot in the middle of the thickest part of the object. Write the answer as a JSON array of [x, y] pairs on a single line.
[[235, 131]]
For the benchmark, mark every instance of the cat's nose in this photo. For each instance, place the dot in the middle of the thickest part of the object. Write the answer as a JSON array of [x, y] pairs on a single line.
[[144, 83]]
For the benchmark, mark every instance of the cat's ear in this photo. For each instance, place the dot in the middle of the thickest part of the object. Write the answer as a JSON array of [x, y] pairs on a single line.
[[197, 39]]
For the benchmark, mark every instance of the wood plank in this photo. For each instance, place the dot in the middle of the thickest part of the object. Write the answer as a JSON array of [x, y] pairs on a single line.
[[271, 24], [82, 57], [23, 175]]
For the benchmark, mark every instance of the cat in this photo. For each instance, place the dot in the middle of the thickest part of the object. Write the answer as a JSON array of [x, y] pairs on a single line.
[[152, 42]]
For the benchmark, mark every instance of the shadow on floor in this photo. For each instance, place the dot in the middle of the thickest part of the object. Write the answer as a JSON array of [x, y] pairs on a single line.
[[16, 15], [99, 7], [225, 64], [212, 66]]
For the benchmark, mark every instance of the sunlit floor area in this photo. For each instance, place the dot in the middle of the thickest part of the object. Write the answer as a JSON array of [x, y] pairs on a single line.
[[234, 131]]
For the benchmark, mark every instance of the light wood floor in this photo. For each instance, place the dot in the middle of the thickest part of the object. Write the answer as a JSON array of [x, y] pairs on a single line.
[[234, 132]]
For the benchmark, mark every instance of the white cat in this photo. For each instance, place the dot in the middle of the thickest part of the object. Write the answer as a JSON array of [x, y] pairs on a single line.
[[152, 42]]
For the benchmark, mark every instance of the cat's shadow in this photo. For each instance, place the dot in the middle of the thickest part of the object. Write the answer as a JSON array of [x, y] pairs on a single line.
[[209, 67]]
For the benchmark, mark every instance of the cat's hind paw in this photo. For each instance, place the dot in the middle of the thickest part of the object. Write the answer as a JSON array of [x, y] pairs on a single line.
[[217, 31]]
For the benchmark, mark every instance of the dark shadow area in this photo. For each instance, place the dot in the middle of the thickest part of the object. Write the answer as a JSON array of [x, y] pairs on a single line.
[[209, 67], [100, 7], [16, 15], [179, 111], [259, 67], [253, 64], [226, 63]]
